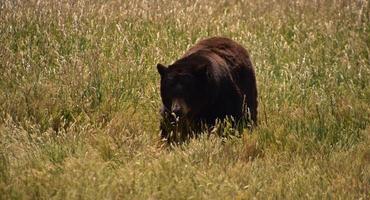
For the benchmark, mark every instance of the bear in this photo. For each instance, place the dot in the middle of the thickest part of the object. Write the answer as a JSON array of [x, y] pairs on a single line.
[[213, 81]]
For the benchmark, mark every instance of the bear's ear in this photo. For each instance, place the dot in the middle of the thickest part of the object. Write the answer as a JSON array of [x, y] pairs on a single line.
[[162, 70]]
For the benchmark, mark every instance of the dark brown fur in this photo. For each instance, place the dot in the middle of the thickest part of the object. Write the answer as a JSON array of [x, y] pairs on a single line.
[[221, 81]]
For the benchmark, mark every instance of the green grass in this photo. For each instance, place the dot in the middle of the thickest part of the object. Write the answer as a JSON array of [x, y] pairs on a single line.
[[79, 100]]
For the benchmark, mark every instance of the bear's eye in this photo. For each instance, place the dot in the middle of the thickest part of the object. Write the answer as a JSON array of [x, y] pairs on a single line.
[[185, 79], [169, 81]]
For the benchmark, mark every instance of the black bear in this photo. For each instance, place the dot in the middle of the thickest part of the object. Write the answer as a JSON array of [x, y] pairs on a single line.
[[215, 79]]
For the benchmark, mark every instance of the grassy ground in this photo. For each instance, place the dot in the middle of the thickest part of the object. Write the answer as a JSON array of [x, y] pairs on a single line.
[[79, 100]]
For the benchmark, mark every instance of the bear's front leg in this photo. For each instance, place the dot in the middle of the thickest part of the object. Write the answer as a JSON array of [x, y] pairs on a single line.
[[172, 128]]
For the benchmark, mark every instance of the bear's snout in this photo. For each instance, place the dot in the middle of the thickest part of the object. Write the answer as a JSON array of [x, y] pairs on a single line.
[[179, 107]]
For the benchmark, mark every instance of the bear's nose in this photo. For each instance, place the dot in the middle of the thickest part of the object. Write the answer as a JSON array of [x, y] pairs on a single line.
[[176, 109], [179, 107]]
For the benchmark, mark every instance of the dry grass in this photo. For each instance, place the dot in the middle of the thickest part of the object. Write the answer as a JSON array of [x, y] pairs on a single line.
[[79, 100]]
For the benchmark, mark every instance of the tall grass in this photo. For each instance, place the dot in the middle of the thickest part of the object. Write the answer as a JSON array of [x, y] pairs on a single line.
[[79, 100]]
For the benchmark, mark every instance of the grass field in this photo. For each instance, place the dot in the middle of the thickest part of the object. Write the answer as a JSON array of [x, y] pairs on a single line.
[[79, 100]]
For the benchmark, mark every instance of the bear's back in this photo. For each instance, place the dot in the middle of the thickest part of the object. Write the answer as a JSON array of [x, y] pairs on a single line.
[[238, 64], [224, 47]]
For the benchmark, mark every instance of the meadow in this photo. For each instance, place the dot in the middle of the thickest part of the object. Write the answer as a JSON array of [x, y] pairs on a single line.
[[79, 100]]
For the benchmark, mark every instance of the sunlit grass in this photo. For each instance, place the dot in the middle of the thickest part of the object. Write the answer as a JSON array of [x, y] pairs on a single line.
[[79, 100]]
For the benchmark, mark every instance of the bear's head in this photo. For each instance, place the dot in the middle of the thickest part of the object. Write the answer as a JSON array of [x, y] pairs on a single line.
[[183, 88]]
